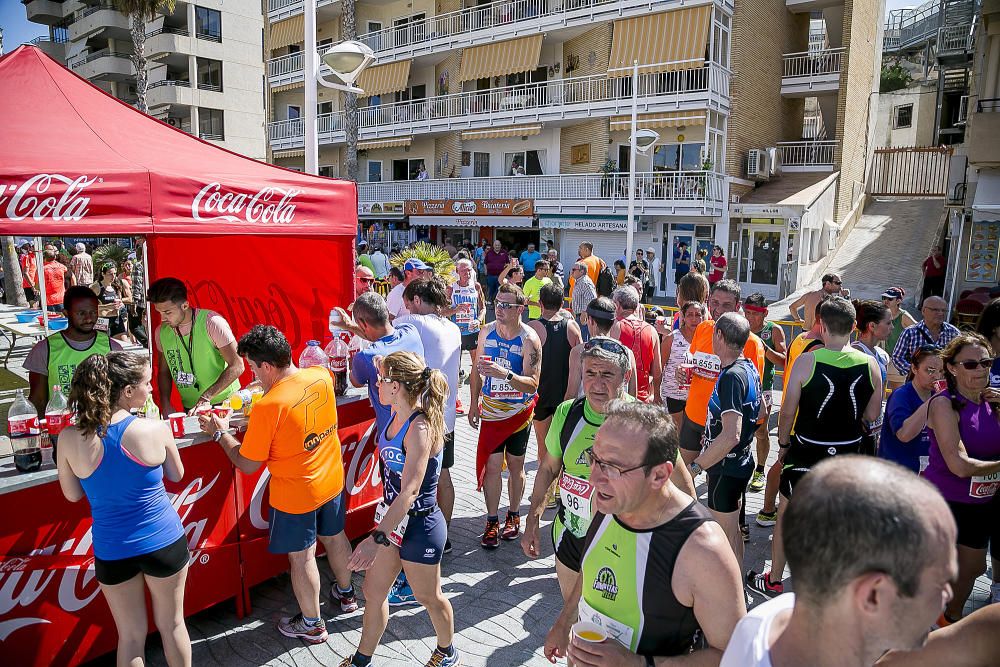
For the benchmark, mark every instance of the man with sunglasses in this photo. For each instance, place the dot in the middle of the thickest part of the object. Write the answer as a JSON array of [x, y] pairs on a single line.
[[934, 330], [504, 392], [657, 572], [833, 285], [364, 280]]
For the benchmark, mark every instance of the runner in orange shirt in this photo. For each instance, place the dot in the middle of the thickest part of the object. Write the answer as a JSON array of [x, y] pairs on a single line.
[[293, 430]]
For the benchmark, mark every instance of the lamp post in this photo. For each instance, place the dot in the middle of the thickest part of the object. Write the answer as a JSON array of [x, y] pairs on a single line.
[[639, 141], [347, 60]]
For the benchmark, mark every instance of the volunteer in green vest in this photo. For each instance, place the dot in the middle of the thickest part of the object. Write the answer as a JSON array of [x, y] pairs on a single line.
[[606, 365], [195, 349], [53, 360], [657, 574]]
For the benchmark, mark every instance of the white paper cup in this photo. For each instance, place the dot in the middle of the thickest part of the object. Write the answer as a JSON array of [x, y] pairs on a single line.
[[589, 632]]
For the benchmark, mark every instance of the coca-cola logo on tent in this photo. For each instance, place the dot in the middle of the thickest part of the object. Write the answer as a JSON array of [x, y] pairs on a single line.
[[269, 206], [31, 199]]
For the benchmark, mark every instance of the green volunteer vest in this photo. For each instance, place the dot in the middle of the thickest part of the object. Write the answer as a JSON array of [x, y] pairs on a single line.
[[204, 357], [63, 359]]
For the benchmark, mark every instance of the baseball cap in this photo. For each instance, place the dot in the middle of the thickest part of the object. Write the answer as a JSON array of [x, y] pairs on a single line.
[[362, 243], [650, 249], [80, 247], [893, 293], [414, 264]]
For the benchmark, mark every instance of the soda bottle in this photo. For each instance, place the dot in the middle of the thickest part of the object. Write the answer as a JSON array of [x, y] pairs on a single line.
[[56, 419], [313, 355], [22, 425], [336, 329], [338, 352]]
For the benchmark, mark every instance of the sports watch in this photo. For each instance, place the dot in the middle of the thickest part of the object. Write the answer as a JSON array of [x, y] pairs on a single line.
[[695, 468], [380, 538]]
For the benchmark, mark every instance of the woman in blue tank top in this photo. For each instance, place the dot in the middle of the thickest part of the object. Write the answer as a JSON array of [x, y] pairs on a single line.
[[118, 462], [410, 531]]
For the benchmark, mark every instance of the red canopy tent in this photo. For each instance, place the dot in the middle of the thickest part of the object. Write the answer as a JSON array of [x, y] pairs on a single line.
[[256, 242]]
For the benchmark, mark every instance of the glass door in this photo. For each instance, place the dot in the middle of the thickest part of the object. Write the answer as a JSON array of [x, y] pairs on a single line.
[[671, 253], [760, 260]]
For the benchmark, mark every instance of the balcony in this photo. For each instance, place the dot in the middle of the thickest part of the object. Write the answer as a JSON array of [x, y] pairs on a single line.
[[911, 27], [657, 193], [167, 93], [278, 10], [955, 42], [46, 12], [983, 134], [561, 99], [807, 155], [53, 48], [90, 21], [166, 40], [811, 73], [103, 65]]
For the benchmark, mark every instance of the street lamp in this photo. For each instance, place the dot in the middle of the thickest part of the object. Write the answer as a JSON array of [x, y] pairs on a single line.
[[641, 141], [347, 60]]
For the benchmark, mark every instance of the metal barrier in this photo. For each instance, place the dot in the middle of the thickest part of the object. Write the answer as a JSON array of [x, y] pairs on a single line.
[[382, 287]]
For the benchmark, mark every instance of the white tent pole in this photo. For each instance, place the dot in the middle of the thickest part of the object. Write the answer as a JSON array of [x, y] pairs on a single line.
[[40, 263]]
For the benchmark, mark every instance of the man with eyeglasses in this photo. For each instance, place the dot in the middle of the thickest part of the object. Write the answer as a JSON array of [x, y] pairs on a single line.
[[503, 396], [832, 285], [657, 573], [934, 330]]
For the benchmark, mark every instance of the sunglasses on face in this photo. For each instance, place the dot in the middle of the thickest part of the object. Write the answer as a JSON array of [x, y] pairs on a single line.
[[972, 365], [837, 282], [367, 280], [506, 305]]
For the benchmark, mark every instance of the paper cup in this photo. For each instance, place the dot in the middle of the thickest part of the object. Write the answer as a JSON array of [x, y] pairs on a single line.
[[221, 412], [589, 632], [940, 385], [176, 420]]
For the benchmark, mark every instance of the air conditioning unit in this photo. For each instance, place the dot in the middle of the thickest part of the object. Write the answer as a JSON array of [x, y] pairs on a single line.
[[173, 122], [963, 110], [757, 165], [774, 162]]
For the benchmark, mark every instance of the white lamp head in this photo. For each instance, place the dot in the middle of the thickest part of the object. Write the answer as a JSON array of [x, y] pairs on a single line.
[[644, 139], [348, 59]]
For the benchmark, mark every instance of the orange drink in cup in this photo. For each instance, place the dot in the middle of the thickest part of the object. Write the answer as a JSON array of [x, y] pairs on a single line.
[[589, 632]]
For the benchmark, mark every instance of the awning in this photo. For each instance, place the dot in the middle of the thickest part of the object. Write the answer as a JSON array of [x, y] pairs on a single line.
[[497, 58], [663, 42], [387, 78], [290, 31], [987, 197], [497, 133], [384, 143], [286, 86], [662, 119], [502, 221], [292, 153]]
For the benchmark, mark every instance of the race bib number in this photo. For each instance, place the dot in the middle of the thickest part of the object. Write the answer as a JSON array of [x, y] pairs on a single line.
[[575, 494], [502, 389], [706, 365], [984, 486], [768, 397], [103, 324], [616, 630], [396, 536]]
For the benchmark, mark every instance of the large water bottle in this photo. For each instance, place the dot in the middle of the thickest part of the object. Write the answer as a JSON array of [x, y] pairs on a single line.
[[25, 435], [337, 351], [313, 355]]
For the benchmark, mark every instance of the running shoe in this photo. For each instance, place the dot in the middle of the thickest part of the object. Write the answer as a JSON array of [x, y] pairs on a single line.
[[459, 408], [761, 583], [757, 482], [767, 519], [745, 530], [346, 662], [401, 594], [348, 601], [447, 546], [296, 626], [491, 536], [511, 527], [440, 659]]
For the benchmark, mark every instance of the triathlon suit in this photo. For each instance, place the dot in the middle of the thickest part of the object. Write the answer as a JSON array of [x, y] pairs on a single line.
[[627, 588], [554, 375], [830, 417], [468, 322], [870, 443], [506, 412], [107, 296], [674, 398], [767, 377], [425, 531], [737, 390], [638, 336]]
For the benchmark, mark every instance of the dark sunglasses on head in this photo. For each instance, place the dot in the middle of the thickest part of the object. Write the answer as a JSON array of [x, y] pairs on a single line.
[[972, 365], [607, 344]]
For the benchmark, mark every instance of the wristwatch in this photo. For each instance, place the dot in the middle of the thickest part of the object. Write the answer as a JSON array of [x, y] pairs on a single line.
[[510, 375], [695, 468], [217, 436], [380, 538]]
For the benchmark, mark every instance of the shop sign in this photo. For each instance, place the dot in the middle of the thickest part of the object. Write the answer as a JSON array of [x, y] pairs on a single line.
[[471, 207], [764, 211], [380, 208], [984, 252], [586, 224]]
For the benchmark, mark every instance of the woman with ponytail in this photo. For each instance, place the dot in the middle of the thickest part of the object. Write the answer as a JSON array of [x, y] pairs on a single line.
[[411, 530], [118, 463]]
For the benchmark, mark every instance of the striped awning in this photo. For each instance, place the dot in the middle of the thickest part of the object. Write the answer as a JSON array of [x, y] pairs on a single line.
[[498, 132], [292, 153], [384, 143], [498, 58], [663, 42], [387, 78], [661, 119], [286, 86], [290, 31]]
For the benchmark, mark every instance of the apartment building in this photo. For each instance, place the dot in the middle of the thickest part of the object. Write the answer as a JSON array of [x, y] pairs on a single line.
[[205, 62], [511, 120]]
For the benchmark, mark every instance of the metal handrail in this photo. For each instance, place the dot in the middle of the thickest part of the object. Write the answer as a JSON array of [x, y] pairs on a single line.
[[207, 36], [813, 63], [83, 13], [210, 135], [178, 83], [168, 30], [955, 38], [806, 153], [104, 53]]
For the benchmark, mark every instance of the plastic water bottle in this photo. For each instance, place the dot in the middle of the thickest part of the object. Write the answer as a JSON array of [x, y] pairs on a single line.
[[313, 355], [336, 328], [56, 419], [337, 351], [25, 436]]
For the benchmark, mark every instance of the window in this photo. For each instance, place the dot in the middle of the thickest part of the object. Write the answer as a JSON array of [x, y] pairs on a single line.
[[374, 26], [406, 170], [374, 171], [409, 29], [210, 74], [528, 163], [208, 24], [294, 112], [294, 48], [327, 170], [903, 116], [674, 157], [480, 165], [324, 107], [210, 124], [413, 93], [324, 44]]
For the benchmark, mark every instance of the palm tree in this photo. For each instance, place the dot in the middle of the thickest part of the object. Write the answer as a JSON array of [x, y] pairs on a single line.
[[349, 28], [140, 11], [13, 288]]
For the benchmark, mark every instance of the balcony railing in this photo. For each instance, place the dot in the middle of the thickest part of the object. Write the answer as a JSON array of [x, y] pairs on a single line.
[[176, 83], [988, 105], [285, 65], [955, 38], [282, 9], [807, 153], [168, 30], [104, 53], [810, 64], [326, 124], [679, 188], [46, 39], [507, 104], [87, 11]]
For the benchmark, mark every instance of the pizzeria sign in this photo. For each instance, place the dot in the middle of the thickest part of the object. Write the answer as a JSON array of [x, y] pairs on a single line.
[[470, 207]]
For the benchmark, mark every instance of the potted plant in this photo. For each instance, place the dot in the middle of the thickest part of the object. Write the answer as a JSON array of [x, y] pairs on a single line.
[[610, 171]]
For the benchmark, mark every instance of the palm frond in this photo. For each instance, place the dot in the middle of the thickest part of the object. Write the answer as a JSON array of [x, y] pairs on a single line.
[[444, 266]]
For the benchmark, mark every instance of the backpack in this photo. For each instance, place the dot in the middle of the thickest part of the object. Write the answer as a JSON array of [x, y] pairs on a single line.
[[605, 281]]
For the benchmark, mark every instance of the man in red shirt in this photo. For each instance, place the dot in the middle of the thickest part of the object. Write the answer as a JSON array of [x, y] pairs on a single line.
[[29, 274], [639, 336], [934, 268], [54, 274], [495, 259]]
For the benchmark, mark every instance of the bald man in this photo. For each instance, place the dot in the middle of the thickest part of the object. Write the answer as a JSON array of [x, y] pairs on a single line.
[[364, 279]]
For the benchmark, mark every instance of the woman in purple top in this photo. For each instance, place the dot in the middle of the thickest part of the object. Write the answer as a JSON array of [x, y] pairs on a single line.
[[965, 459]]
